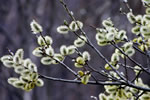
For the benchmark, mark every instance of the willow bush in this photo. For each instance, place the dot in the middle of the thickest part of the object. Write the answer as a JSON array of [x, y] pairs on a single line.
[[118, 86]]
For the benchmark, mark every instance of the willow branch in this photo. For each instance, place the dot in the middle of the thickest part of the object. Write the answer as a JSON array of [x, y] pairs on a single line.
[[116, 46], [78, 81]]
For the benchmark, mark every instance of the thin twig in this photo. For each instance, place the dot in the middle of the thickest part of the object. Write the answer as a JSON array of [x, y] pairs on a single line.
[[78, 81], [126, 71], [61, 63], [116, 46], [137, 98]]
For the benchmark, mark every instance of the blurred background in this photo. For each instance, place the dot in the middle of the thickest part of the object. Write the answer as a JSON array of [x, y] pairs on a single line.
[[15, 33]]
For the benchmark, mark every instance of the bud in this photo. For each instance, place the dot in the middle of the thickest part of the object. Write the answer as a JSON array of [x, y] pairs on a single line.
[[19, 70], [111, 89], [147, 10], [80, 60], [63, 29], [46, 60], [112, 30], [117, 51], [49, 40], [101, 31], [35, 27], [50, 51], [78, 65], [79, 43], [18, 84], [31, 85], [25, 79], [17, 60], [131, 17], [146, 18], [20, 53], [145, 97], [41, 41], [107, 67], [86, 56], [71, 49], [107, 23], [34, 76], [145, 30], [139, 18], [102, 43], [37, 52], [65, 23], [26, 62], [137, 69], [115, 57], [102, 97], [59, 57], [130, 52], [74, 26], [63, 50], [25, 72], [110, 36], [80, 73], [127, 45], [100, 37], [27, 87], [32, 67], [129, 94], [136, 30], [85, 79], [121, 35], [11, 80], [139, 40], [8, 63], [6, 57], [39, 82], [79, 24]]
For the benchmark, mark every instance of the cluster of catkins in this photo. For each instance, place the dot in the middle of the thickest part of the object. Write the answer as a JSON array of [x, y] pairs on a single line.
[[142, 30], [121, 92], [49, 56], [27, 70], [109, 33], [141, 27]]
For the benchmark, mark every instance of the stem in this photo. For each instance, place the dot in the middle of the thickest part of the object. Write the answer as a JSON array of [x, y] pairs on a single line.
[[116, 46], [95, 83], [79, 82], [126, 71]]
